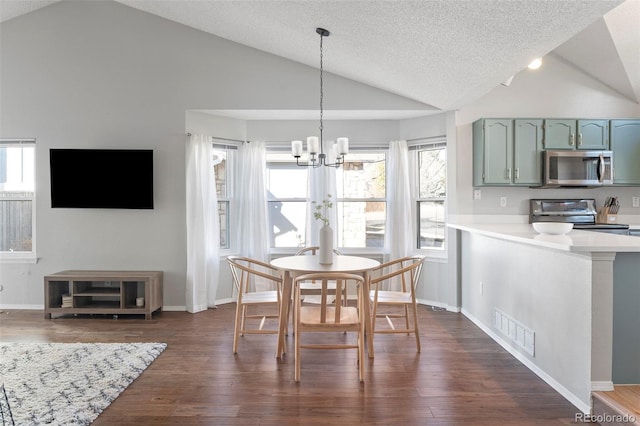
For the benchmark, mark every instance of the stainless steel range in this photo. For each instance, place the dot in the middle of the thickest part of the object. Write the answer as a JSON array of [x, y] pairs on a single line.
[[581, 212]]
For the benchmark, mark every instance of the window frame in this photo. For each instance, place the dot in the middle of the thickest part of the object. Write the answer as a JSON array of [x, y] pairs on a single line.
[[368, 149], [277, 149], [24, 256], [439, 142], [229, 198]]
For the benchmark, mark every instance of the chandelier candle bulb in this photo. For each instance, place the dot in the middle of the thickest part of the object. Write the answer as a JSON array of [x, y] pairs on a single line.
[[343, 146], [313, 145], [296, 148]]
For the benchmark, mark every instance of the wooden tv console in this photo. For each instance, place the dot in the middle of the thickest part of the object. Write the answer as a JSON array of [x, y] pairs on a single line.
[[102, 292]]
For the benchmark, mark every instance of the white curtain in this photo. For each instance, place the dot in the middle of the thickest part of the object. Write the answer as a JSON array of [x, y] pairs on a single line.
[[203, 229], [322, 182], [253, 224], [400, 219]]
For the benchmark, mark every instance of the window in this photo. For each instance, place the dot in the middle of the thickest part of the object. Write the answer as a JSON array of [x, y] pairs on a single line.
[[288, 200], [222, 154], [17, 195], [432, 194], [361, 200]]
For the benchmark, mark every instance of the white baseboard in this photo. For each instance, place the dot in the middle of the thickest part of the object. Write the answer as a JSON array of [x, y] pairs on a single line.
[[174, 308], [602, 386], [581, 405], [24, 307], [439, 305]]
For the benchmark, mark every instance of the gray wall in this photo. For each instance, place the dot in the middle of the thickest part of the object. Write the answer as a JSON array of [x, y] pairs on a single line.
[[433, 285], [101, 74]]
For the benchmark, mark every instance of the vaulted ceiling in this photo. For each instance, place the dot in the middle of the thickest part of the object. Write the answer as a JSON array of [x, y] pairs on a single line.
[[441, 53]]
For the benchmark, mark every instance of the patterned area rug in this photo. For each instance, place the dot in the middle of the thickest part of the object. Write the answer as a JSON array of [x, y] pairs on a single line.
[[68, 383]]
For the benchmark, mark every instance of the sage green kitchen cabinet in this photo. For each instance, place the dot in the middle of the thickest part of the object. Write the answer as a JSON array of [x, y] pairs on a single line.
[[593, 134], [625, 144], [576, 134], [507, 152]]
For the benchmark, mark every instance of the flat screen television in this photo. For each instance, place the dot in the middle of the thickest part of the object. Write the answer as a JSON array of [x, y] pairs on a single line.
[[101, 178]]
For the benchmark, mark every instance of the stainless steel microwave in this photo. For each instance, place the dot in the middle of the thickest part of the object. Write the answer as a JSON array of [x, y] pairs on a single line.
[[577, 168]]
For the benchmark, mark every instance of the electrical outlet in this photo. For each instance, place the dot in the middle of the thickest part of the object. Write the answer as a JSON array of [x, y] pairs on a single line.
[[635, 201], [503, 201], [477, 194]]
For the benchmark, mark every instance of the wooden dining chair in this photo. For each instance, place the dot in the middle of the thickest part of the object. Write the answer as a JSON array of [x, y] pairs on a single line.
[[393, 289], [246, 274], [325, 317], [310, 288]]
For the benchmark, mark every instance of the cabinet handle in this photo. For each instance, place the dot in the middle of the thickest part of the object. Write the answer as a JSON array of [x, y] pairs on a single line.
[[517, 173], [509, 173], [572, 138], [579, 139]]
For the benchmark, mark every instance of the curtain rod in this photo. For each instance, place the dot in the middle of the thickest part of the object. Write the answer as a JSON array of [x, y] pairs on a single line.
[[223, 139], [16, 141], [427, 138]]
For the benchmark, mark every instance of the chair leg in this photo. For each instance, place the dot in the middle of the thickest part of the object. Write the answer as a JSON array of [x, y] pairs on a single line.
[[243, 324], [361, 355], [406, 318], [415, 326], [236, 330], [374, 316], [289, 314], [284, 339], [296, 339], [361, 341]]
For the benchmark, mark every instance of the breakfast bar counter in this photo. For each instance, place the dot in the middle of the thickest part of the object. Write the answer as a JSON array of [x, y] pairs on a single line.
[[578, 241], [567, 306]]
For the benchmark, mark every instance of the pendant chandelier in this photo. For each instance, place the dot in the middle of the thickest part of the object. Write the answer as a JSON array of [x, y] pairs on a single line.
[[315, 145]]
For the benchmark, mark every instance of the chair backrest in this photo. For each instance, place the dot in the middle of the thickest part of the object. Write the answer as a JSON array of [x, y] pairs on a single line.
[[329, 313], [246, 272], [404, 272], [312, 250]]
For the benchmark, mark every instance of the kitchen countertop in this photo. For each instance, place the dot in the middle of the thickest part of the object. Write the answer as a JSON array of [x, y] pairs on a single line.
[[577, 241]]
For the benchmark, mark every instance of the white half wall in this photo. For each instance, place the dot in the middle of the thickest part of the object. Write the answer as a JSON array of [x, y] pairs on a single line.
[[545, 290]]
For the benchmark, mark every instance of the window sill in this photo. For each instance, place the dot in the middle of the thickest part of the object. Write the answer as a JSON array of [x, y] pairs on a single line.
[[18, 258]]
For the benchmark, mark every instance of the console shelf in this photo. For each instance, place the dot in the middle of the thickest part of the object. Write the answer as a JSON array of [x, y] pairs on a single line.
[[102, 292]]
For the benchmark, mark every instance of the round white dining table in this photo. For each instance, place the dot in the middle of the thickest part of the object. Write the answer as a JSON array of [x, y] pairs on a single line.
[[293, 266]]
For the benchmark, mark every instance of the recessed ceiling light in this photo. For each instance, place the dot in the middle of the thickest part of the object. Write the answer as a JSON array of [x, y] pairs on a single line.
[[535, 64]]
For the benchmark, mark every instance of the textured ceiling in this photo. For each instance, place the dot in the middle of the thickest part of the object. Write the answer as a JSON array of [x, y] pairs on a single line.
[[441, 53]]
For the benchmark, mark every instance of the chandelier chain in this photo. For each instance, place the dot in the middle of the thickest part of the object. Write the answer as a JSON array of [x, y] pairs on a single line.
[[321, 91]]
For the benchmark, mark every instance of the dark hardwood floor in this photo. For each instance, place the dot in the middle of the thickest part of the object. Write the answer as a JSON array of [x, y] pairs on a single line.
[[461, 377]]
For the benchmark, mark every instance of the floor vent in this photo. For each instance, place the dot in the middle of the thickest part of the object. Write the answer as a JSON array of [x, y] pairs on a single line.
[[519, 334]]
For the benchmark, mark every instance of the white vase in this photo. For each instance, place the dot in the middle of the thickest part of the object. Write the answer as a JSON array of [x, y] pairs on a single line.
[[325, 251]]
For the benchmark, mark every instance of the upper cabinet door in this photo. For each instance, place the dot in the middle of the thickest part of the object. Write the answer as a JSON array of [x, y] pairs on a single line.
[[559, 134], [527, 155], [593, 134], [625, 144], [498, 145]]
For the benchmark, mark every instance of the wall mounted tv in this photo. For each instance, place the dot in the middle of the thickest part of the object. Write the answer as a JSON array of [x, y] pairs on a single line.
[[101, 178]]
